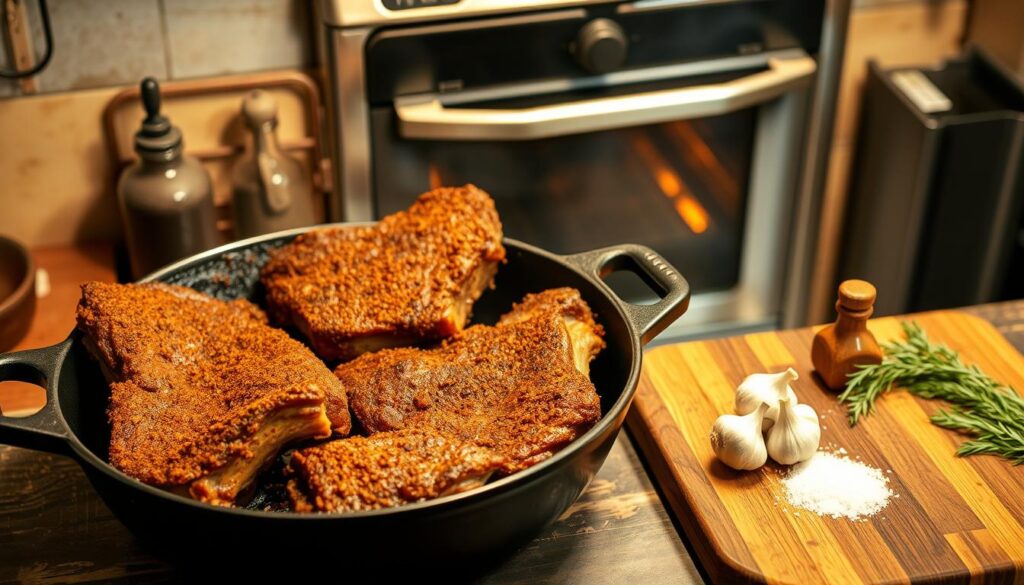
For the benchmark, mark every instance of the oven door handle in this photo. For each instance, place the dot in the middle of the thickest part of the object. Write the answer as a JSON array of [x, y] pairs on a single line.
[[427, 118]]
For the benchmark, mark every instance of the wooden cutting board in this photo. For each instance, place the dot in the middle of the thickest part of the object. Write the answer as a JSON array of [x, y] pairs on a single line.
[[955, 520]]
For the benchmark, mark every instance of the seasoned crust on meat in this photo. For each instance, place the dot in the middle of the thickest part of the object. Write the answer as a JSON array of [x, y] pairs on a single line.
[[202, 391], [411, 277], [514, 388], [587, 336], [385, 470]]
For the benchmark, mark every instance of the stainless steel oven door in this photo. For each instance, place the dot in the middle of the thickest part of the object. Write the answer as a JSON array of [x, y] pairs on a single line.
[[697, 160]]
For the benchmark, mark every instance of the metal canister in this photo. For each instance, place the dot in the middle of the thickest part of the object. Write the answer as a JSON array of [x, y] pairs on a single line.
[[166, 196]]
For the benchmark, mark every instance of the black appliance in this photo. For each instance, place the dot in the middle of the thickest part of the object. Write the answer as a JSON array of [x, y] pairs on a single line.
[[934, 217]]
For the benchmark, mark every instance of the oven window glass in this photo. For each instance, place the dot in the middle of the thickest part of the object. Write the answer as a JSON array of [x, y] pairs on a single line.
[[678, 187]]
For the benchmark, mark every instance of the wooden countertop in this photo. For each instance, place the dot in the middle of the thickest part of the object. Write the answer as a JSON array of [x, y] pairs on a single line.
[[55, 529]]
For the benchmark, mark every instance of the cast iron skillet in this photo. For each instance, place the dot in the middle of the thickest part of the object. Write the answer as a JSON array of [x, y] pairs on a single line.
[[475, 524]]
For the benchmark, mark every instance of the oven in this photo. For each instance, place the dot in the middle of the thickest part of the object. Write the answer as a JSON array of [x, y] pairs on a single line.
[[683, 125]]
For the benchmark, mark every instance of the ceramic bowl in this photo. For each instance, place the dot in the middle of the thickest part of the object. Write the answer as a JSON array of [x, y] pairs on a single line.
[[17, 292]]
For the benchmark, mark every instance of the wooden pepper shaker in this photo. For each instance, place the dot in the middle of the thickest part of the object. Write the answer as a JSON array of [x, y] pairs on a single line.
[[840, 347]]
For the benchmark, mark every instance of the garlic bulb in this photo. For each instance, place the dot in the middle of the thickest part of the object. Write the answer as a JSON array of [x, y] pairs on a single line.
[[758, 388], [737, 440], [796, 433]]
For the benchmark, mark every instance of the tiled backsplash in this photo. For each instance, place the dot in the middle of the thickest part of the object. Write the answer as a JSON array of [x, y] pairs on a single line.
[[117, 42]]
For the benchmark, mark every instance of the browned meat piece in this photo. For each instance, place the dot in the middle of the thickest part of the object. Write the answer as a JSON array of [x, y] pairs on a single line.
[[203, 392], [586, 335], [412, 277], [519, 388], [385, 470]]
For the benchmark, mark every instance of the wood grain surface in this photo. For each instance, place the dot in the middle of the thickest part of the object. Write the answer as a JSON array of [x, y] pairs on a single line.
[[955, 520], [55, 529]]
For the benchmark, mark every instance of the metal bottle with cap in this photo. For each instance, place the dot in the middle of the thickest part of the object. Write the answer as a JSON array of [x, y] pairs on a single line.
[[166, 196], [272, 191]]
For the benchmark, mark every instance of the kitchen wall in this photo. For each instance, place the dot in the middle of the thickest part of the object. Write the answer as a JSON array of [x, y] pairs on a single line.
[[998, 26], [57, 177], [116, 42]]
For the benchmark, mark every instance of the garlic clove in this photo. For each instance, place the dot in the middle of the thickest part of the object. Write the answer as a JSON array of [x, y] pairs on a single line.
[[780, 382], [765, 388], [737, 440], [780, 388], [772, 414], [796, 434], [750, 393]]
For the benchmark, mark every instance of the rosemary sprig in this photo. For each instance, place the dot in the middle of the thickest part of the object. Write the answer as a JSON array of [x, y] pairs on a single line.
[[990, 412]]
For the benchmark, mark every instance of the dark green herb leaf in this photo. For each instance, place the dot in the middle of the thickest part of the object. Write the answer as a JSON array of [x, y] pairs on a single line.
[[990, 412]]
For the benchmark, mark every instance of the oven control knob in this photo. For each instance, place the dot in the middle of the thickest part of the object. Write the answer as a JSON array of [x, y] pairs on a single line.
[[601, 46]]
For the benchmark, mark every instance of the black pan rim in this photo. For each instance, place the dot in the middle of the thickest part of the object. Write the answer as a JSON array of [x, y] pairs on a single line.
[[476, 495]]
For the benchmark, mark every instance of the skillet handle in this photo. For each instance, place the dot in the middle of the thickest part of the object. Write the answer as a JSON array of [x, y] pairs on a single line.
[[44, 430], [655, 271]]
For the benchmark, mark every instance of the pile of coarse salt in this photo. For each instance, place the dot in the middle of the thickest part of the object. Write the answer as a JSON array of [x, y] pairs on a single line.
[[830, 484]]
